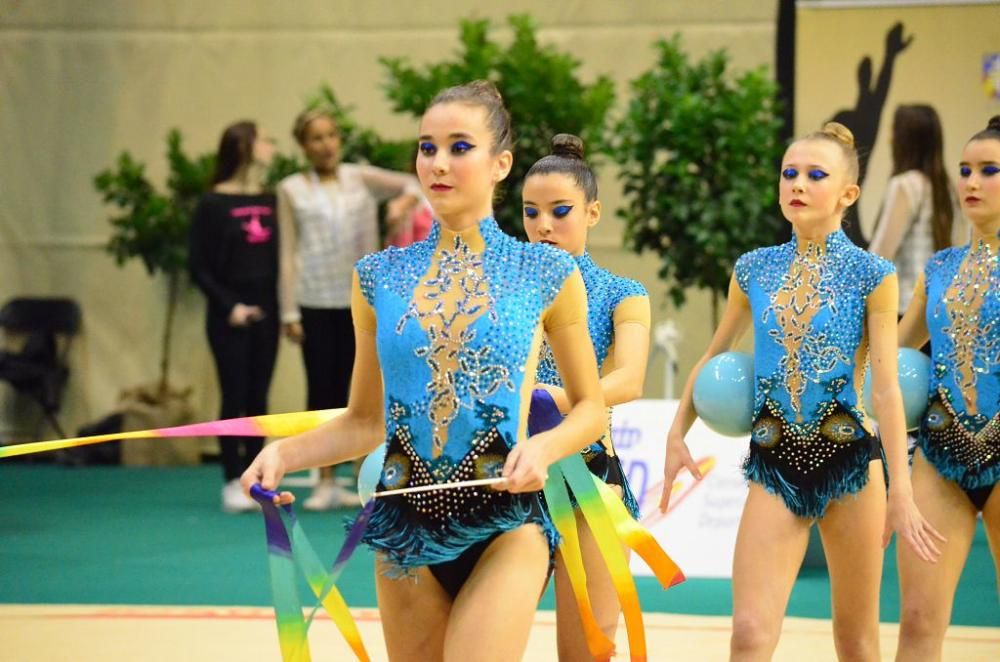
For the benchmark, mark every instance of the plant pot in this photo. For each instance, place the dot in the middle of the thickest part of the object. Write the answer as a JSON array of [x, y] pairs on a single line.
[[149, 407]]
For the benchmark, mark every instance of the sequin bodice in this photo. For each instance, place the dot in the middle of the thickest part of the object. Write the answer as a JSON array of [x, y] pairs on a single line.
[[457, 317], [605, 291], [963, 317], [808, 307]]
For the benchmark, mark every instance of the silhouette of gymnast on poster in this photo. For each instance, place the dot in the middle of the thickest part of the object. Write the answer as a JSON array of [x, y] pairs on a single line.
[[863, 120]]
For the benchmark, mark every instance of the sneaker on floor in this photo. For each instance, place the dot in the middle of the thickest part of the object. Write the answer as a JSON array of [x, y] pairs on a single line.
[[323, 497], [345, 497], [233, 499]]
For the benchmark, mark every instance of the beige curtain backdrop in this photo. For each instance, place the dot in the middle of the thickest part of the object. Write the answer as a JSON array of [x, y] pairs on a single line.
[[82, 81], [941, 67]]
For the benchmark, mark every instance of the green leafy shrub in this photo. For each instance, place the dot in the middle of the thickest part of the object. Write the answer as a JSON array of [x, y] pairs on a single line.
[[698, 148], [153, 226]]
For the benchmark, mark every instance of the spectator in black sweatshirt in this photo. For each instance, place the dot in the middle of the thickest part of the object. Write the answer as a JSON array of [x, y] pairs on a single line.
[[234, 260]]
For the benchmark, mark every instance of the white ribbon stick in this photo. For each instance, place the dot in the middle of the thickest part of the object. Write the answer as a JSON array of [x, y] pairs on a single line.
[[442, 486]]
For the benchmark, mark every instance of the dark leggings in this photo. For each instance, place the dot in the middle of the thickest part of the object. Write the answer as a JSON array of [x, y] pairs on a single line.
[[244, 362], [328, 354]]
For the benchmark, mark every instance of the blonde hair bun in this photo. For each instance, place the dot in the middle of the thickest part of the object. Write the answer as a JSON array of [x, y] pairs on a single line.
[[839, 132], [485, 88]]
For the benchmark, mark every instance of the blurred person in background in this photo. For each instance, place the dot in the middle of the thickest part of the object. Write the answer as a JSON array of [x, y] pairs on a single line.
[[918, 214], [328, 220], [234, 260]]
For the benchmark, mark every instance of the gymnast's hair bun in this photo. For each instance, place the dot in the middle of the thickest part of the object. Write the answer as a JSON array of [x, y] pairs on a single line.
[[567, 146], [840, 133], [993, 124], [484, 89]]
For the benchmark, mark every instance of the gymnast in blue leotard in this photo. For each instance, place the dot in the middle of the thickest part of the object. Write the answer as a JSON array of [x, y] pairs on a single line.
[[560, 206], [448, 333], [819, 307], [956, 467]]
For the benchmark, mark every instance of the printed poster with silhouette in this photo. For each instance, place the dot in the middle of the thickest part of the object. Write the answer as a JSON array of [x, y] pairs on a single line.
[[855, 64]]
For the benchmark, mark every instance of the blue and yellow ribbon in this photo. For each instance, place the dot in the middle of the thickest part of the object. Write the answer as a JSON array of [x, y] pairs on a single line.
[[288, 547]]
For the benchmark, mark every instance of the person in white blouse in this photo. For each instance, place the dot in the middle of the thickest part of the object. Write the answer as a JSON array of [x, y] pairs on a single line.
[[918, 214], [328, 220]]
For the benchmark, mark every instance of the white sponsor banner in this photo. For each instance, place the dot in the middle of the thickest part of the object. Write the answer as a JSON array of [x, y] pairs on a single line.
[[699, 530]]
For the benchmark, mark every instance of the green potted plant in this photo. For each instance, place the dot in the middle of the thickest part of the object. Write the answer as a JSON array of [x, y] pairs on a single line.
[[698, 148], [153, 227], [539, 85]]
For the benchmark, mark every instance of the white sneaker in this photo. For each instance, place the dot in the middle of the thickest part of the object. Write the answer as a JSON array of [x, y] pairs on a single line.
[[346, 497], [323, 496], [328, 494], [233, 499]]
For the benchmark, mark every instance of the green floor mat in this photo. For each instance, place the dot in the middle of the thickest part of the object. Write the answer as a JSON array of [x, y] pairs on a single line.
[[156, 536]]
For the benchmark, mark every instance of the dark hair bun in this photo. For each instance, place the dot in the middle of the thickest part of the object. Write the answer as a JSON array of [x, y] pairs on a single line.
[[567, 146], [993, 124]]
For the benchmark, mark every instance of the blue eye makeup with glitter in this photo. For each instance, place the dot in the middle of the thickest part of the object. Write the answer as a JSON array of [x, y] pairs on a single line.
[[964, 171], [562, 210], [816, 174], [990, 170], [427, 149], [531, 212], [461, 147]]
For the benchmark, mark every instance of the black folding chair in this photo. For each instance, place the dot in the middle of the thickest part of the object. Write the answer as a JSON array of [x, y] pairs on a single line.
[[39, 368]]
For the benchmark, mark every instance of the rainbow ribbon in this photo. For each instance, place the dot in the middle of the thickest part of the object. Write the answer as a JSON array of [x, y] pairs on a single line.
[[638, 538], [544, 415], [287, 606], [287, 543], [271, 425], [561, 510], [323, 584], [288, 547], [611, 525], [575, 472]]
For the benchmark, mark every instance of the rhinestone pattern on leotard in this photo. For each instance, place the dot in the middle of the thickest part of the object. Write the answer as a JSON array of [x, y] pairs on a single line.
[[960, 433], [454, 329], [808, 303]]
